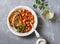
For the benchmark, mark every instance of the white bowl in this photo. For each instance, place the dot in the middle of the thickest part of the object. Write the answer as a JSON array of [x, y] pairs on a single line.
[[18, 33], [41, 41]]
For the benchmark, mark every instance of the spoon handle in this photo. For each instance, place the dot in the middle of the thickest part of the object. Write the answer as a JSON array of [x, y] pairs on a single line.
[[37, 34]]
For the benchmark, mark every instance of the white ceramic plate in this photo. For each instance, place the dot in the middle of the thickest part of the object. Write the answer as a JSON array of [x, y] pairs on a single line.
[[27, 33]]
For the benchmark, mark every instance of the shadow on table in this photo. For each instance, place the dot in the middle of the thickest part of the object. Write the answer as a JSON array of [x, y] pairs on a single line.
[[54, 19], [40, 26]]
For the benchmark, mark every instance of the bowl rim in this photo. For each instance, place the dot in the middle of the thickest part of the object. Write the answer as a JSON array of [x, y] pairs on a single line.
[[27, 33]]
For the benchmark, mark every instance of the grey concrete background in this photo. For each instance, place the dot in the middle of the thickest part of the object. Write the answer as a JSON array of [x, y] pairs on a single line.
[[48, 29]]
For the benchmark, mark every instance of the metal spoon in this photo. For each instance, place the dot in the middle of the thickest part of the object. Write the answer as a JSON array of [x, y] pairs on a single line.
[[36, 33]]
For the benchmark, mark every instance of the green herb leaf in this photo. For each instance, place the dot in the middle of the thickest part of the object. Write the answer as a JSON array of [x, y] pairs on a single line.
[[20, 28], [42, 0], [43, 8], [46, 4], [38, 2], [35, 6], [42, 4], [40, 7]]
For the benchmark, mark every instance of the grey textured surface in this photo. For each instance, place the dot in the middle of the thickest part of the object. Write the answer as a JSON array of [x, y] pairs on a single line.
[[49, 29]]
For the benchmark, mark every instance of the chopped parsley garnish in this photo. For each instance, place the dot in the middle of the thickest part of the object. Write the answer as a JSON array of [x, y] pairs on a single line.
[[35, 6], [20, 28]]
